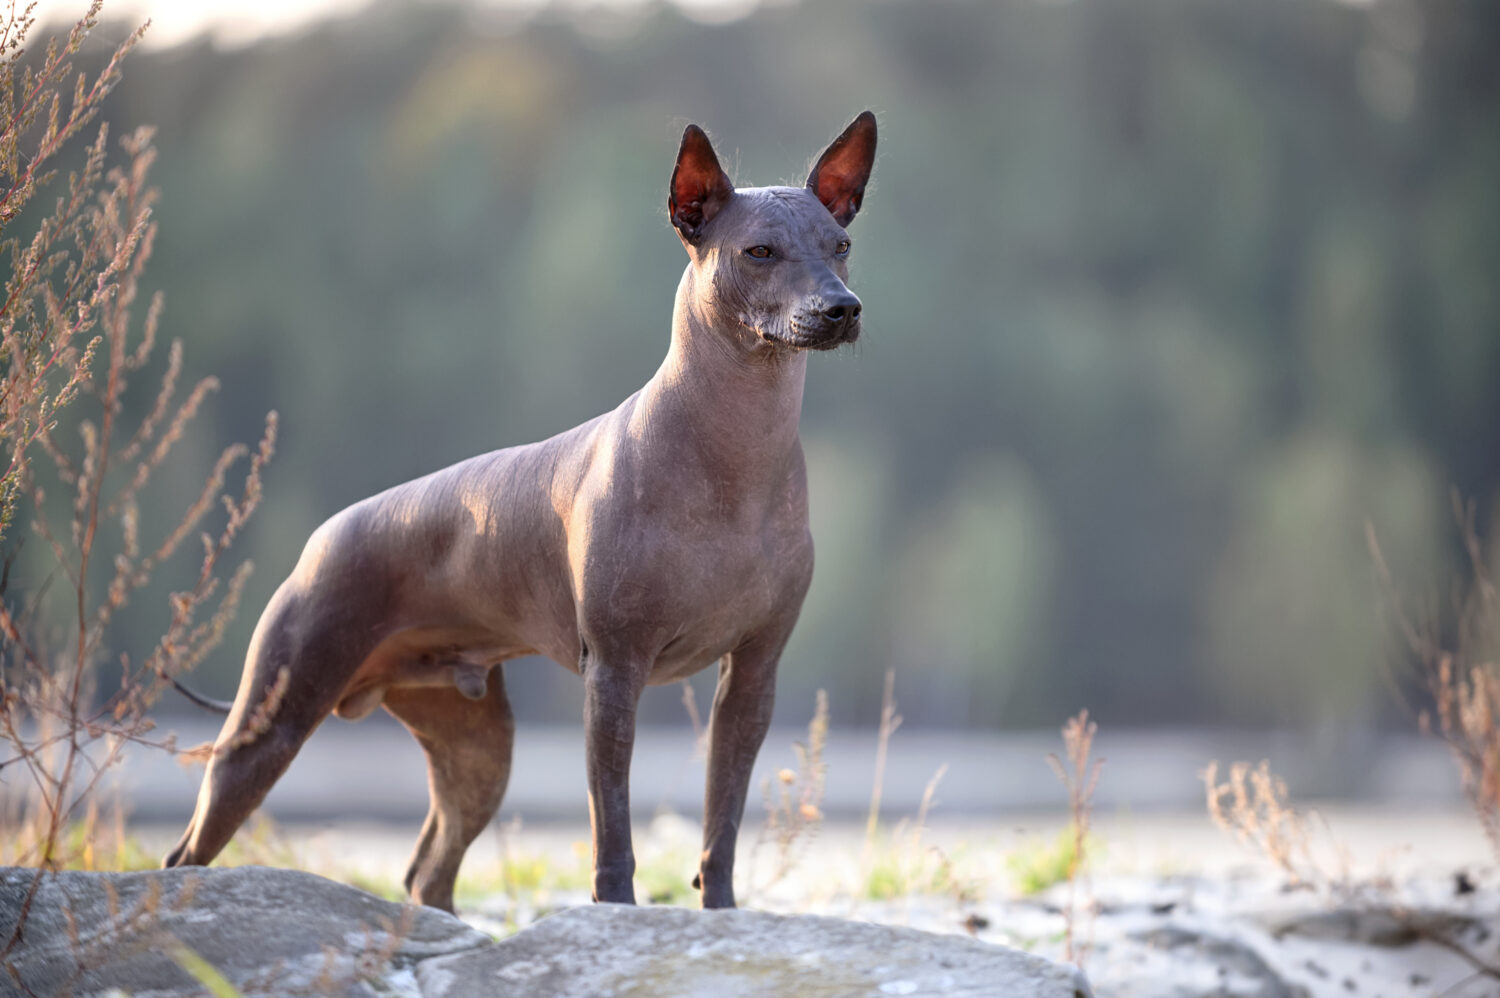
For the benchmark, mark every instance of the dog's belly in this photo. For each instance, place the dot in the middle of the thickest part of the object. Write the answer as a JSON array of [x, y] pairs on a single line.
[[682, 659], [439, 657], [426, 657]]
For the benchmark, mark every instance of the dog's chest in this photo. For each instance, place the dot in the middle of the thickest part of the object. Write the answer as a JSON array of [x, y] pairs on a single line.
[[724, 603], [690, 591]]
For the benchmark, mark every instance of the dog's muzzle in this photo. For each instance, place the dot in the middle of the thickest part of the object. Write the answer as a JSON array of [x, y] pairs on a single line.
[[834, 323]]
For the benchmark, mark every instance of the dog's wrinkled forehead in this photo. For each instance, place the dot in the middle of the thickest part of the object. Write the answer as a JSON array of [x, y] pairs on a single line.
[[791, 219]]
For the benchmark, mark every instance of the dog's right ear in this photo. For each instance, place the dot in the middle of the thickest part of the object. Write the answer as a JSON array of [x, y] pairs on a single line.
[[844, 168], [699, 185]]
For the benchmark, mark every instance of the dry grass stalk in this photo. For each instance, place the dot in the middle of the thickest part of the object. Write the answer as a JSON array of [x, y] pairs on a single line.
[[908, 865], [1079, 775], [1458, 663], [925, 807], [889, 722], [69, 339], [73, 266], [700, 730], [1467, 705], [97, 841], [1253, 806], [794, 810]]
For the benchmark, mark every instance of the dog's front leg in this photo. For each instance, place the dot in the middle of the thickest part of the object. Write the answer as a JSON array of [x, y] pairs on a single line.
[[741, 715], [612, 689]]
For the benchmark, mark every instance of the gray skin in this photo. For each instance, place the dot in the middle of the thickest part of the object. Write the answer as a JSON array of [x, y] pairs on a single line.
[[635, 549]]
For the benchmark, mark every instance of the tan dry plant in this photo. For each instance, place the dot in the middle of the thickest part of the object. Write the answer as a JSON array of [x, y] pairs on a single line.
[[64, 274], [908, 864], [794, 799], [1079, 774], [1253, 806], [889, 722], [78, 468], [1458, 666]]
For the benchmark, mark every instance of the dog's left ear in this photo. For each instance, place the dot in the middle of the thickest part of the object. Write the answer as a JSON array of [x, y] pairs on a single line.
[[699, 185], [844, 168]]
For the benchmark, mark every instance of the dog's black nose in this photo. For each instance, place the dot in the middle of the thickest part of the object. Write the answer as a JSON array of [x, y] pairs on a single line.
[[843, 309]]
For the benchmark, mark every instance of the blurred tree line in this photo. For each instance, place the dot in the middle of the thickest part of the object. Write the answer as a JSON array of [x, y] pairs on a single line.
[[1164, 300]]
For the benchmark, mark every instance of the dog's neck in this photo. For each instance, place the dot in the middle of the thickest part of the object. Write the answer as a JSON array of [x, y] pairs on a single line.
[[732, 398]]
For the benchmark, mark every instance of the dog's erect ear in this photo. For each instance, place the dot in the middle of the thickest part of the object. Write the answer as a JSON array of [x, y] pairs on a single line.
[[699, 185], [844, 168]]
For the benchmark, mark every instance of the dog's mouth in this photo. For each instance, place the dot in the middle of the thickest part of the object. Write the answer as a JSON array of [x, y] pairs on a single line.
[[797, 335]]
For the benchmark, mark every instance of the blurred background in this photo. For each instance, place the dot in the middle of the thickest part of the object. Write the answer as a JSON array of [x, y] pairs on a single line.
[[1165, 302]]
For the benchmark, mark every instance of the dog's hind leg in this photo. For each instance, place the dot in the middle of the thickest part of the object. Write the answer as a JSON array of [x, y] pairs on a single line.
[[468, 744], [293, 678]]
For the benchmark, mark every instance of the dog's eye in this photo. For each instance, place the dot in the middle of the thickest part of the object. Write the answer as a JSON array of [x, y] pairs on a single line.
[[842, 249], [760, 252]]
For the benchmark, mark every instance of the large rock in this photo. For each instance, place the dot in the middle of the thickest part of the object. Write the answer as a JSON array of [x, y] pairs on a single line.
[[617, 951], [268, 931], [280, 932]]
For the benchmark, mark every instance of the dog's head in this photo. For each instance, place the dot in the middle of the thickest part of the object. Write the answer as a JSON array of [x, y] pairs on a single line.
[[775, 260]]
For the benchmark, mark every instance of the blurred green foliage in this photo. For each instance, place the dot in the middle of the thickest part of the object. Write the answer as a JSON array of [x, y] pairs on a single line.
[[1163, 299], [1038, 864]]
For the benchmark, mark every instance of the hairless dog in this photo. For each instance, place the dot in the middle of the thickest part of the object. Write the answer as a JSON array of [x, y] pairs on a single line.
[[635, 549]]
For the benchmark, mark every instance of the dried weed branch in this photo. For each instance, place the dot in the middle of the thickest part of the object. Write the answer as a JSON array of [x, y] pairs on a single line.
[[889, 722], [908, 864], [74, 264], [1458, 663], [794, 810], [67, 336], [700, 730], [1079, 775], [1253, 806]]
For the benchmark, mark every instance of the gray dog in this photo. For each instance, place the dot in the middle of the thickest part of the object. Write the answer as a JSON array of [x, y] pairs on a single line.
[[635, 549]]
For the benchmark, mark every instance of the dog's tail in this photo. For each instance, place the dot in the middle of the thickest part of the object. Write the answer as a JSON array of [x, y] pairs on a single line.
[[217, 706]]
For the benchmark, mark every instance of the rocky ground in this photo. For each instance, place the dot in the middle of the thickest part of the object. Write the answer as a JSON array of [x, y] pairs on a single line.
[[1402, 904], [1186, 937], [259, 931], [1174, 911]]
